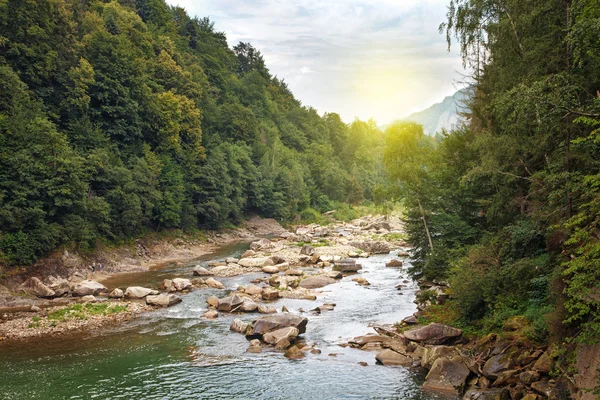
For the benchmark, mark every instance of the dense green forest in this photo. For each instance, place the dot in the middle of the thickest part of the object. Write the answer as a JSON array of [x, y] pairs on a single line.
[[121, 117], [512, 200]]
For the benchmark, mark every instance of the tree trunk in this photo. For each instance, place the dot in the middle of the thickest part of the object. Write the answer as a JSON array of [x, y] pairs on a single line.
[[425, 223]]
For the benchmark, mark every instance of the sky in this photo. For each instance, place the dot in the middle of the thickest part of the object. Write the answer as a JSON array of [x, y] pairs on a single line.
[[381, 59]]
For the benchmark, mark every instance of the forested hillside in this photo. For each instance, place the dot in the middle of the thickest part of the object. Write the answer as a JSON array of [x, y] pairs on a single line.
[[119, 117], [512, 202]]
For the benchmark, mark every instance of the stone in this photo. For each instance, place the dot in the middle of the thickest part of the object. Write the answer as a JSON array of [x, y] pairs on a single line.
[[487, 394], [497, 364], [163, 300], [394, 264], [35, 309], [256, 262], [433, 334], [167, 285], [390, 357], [334, 275], [531, 396], [201, 271], [347, 265], [314, 282], [89, 299], [293, 272], [315, 258], [213, 283], [232, 260], [283, 344], [431, 354], [270, 269], [528, 377], [293, 353], [116, 294], [60, 286], [181, 284], [253, 290], [248, 253], [35, 287], [410, 320], [270, 294], [262, 309], [543, 364], [506, 378], [254, 349], [302, 231], [283, 266], [248, 306], [307, 250], [372, 247], [544, 388], [213, 301], [272, 323], [288, 333], [238, 326], [361, 281], [262, 244], [447, 375], [210, 314], [86, 287], [139, 292], [214, 264], [230, 303]]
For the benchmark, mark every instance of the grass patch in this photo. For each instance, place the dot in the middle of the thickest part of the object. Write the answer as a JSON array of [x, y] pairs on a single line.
[[84, 311], [320, 243]]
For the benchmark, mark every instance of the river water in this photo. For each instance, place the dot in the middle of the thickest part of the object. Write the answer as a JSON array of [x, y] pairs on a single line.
[[175, 354]]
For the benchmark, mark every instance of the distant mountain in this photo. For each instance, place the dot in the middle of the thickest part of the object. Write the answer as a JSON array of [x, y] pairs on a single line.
[[444, 115]]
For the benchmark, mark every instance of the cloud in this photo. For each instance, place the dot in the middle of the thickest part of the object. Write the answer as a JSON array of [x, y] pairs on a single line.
[[379, 59]]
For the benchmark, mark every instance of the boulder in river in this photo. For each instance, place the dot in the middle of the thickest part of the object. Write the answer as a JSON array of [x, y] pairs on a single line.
[[372, 247], [232, 260], [347, 265], [262, 244], [248, 253], [253, 290], [138, 292], [335, 275], [230, 303], [447, 375], [60, 286], [248, 306], [35, 287], [293, 353], [238, 326], [163, 300], [433, 334], [272, 323], [201, 271], [270, 294], [314, 282], [210, 314], [182, 284], [390, 357], [212, 300], [270, 269], [86, 287], [213, 283], [116, 294], [258, 262], [89, 299], [262, 309], [288, 333], [394, 264]]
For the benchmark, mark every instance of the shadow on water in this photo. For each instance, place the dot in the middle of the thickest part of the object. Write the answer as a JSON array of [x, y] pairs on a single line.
[[174, 354]]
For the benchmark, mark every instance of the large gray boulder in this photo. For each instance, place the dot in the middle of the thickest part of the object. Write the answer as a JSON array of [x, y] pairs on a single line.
[[60, 286], [201, 271], [314, 282], [87, 287], [447, 375], [139, 292], [433, 334], [230, 303], [35, 287], [272, 323], [163, 300], [181, 284]]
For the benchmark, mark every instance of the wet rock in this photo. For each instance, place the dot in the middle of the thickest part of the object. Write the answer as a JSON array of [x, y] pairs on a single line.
[[272, 323], [163, 300], [213, 283], [116, 294], [139, 292], [201, 271], [270, 294], [497, 364], [361, 281], [314, 282], [238, 326], [347, 265], [394, 264], [284, 309], [262, 309], [214, 264], [35, 287], [270, 269], [248, 306], [167, 285], [433, 334], [210, 314], [293, 353], [307, 250], [390, 357], [213, 301], [181, 284], [335, 275], [487, 394], [447, 375], [256, 262], [253, 290], [254, 349], [86, 287], [288, 334], [230, 303]]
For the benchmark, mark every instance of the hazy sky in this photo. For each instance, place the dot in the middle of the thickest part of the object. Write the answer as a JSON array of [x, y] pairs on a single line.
[[379, 59]]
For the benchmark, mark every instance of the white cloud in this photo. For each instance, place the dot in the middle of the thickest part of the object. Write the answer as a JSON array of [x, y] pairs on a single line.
[[382, 59]]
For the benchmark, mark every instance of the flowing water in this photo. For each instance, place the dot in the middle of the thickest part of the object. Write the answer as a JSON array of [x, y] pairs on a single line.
[[175, 354]]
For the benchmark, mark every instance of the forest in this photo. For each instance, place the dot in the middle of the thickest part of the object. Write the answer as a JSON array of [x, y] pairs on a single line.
[[512, 199], [119, 118]]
